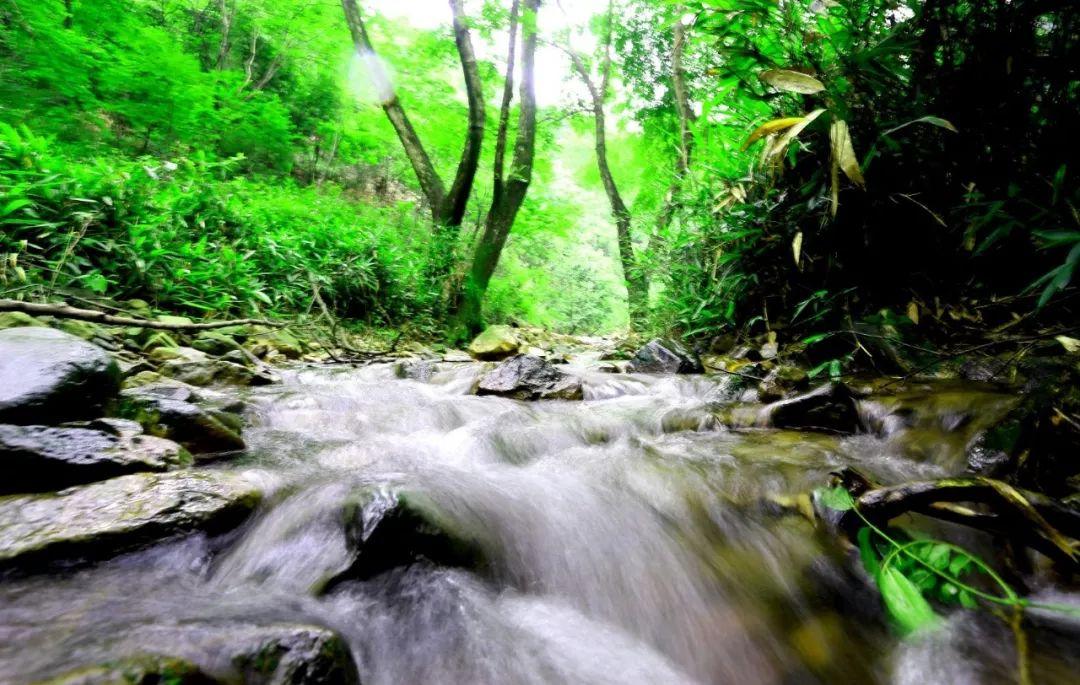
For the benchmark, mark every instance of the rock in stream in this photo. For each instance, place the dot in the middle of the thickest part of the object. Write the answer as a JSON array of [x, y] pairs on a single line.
[[116, 515], [48, 376]]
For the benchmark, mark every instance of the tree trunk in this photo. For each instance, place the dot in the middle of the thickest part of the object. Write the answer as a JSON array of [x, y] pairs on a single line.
[[637, 285], [685, 117], [430, 183], [456, 202], [447, 208], [505, 207]]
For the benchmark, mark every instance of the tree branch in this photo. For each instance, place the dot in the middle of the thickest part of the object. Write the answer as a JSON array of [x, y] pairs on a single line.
[[64, 311]]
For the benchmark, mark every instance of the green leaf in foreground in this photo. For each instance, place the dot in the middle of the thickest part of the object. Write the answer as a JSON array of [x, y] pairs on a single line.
[[904, 602], [837, 498]]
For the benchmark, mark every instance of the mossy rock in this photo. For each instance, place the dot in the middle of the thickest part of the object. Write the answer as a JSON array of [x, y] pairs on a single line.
[[140, 669], [495, 343], [17, 320]]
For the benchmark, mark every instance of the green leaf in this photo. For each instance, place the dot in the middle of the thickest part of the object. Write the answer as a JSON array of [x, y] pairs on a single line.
[[904, 602], [837, 498]]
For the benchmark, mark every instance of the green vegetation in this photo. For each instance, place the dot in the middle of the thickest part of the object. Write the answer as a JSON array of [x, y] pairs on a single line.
[[745, 166]]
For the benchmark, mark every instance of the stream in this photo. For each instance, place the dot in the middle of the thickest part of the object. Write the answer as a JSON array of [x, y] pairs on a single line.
[[627, 538]]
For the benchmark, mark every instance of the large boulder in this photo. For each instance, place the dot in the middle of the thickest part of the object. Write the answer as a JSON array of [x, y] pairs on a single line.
[[119, 514], [665, 356], [495, 343], [48, 376], [41, 458], [831, 408], [525, 377]]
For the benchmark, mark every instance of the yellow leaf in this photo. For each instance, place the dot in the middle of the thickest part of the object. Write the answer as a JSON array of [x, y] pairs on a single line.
[[913, 313], [843, 152], [782, 142], [792, 81], [770, 127], [1071, 345], [796, 247]]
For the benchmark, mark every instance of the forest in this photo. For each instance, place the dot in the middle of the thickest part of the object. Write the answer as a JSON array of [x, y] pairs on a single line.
[[539, 341]]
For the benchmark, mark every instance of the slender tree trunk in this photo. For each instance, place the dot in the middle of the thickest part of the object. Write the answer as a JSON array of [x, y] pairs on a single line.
[[456, 202], [430, 183], [447, 207], [637, 285], [504, 209], [685, 116]]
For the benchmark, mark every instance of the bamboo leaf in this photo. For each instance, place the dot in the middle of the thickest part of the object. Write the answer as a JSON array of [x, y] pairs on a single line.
[[792, 81], [770, 127], [913, 312], [933, 121], [843, 152], [793, 131]]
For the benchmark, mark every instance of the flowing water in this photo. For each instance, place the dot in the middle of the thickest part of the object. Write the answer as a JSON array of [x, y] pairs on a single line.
[[628, 538]]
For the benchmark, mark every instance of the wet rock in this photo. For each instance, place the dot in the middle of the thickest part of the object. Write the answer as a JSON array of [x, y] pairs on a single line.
[[457, 356], [165, 411], [216, 371], [529, 378], [986, 370], [215, 343], [666, 356], [769, 350], [832, 407], [1036, 443], [420, 370], [782, 381], [232, 652], [119, 514], [17, 320], [392, 530], [182, 354], [495, 343], [50, 376], [277, 341], [41, 458], [139, 669]]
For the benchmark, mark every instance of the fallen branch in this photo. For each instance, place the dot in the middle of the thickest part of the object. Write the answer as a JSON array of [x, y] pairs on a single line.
[[1012, 512], [64, 311]]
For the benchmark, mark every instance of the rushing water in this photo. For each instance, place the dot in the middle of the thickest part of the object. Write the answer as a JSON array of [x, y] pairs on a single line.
[[628, 539]]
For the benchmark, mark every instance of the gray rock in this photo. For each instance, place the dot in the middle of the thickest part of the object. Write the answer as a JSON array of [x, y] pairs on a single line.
[[831, 408], [119, 514], [40, 458], [234, 652], [529, 378], [139, 669], [164, 411], [48, 376], [213, 371], [665, 356]]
